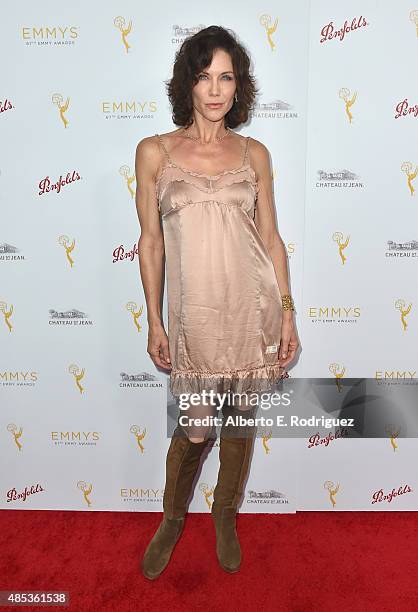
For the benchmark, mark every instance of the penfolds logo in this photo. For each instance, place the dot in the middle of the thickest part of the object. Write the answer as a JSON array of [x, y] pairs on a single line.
[[13, 495], [119, 254], [316, 440], [5, 106], [329, 32], [47, 185], [404, 108], [379, 496]]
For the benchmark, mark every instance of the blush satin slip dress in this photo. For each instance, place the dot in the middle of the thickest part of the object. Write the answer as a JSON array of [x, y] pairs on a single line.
[[224, 304]]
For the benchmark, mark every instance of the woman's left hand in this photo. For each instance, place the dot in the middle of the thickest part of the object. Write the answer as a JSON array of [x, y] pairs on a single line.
[[289, 342]]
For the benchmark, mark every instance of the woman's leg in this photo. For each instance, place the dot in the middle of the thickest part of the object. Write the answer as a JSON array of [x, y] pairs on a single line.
[[236, 445], [182, 463], [197, 421]]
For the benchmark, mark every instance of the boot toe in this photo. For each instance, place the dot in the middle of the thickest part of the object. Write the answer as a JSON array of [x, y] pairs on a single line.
[[159, 550]]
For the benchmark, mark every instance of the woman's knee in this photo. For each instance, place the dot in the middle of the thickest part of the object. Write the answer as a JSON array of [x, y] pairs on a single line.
[[196, 440]]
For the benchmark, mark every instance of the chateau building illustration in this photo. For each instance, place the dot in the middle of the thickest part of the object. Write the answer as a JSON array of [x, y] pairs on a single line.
[[275, 105], [137, 377], [266, 494], [67, 314], [340, 175], [8, 248], [412, 245]]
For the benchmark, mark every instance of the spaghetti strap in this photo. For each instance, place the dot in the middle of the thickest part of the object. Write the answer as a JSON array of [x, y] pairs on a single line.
[[164, 148], [246, 151]]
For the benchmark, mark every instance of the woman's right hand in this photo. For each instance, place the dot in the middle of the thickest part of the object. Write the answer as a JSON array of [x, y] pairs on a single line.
[[158, 348]]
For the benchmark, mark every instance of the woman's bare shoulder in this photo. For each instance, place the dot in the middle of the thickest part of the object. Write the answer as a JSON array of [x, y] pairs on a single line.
[[257, 147], [172, 133], [148, 157], [149, 147], [259, 156]]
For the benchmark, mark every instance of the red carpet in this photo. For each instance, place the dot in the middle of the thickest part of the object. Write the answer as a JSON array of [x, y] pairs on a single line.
[[311, 561]]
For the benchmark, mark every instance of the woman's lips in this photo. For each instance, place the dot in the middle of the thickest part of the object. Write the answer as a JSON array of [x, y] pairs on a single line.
[[213, 105]]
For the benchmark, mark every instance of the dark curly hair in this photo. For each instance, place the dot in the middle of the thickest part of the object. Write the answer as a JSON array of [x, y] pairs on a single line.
[[194, 55]]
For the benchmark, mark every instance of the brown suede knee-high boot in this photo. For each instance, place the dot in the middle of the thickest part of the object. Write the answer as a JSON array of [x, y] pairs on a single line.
[[182, 463], [235, 456]]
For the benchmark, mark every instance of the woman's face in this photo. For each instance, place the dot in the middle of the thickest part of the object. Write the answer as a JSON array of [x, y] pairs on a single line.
[[213, 94]]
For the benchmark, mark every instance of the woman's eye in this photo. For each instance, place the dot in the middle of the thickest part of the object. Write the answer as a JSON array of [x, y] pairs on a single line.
[[225, 76]]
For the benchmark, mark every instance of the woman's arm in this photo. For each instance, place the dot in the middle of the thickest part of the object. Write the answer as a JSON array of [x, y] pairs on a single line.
[[151, 246]]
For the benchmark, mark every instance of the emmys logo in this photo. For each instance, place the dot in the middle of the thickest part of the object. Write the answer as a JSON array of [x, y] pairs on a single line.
[[132, 307], [125, 171], [316, 440], [129, 110], [342, 245], [402, 249], [7, 313], [344, 94], [379, 496], [413, 16], [332, 491], [75, 438], [18, 379], [404, 311], [58, 101], [393, 434], [338, 179], [406, 167], [45, 186], [329, 32], [5, 106], [8, 253], [278, 109], [270, 28], [78, 375], [395, 377], [338, 372], [331, 314], [151, 496], [207, 493], [119, 23], [45, 35], [265, 437], [16, 433], [136, 430], [64, 241], [86, 489], [119, 254], [13, 495], [403, 109]]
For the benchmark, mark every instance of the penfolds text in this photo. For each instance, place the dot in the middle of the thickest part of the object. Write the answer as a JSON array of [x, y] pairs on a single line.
[[329, 31], [379, 496], [47, 185]]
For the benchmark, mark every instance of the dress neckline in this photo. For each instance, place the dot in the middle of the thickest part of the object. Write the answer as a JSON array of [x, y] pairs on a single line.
[[209, 176], [244, 165]]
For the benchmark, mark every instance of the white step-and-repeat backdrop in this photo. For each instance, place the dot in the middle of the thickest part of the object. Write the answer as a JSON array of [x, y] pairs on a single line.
[[83, 409]]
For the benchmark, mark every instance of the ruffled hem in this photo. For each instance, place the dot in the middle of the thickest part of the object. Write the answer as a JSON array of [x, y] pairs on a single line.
[[247, 380]]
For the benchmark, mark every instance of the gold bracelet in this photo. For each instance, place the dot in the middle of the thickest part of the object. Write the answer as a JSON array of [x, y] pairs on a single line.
[[287, 302]]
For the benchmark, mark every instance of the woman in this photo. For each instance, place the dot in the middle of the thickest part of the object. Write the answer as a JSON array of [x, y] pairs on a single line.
[[230, 315]]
